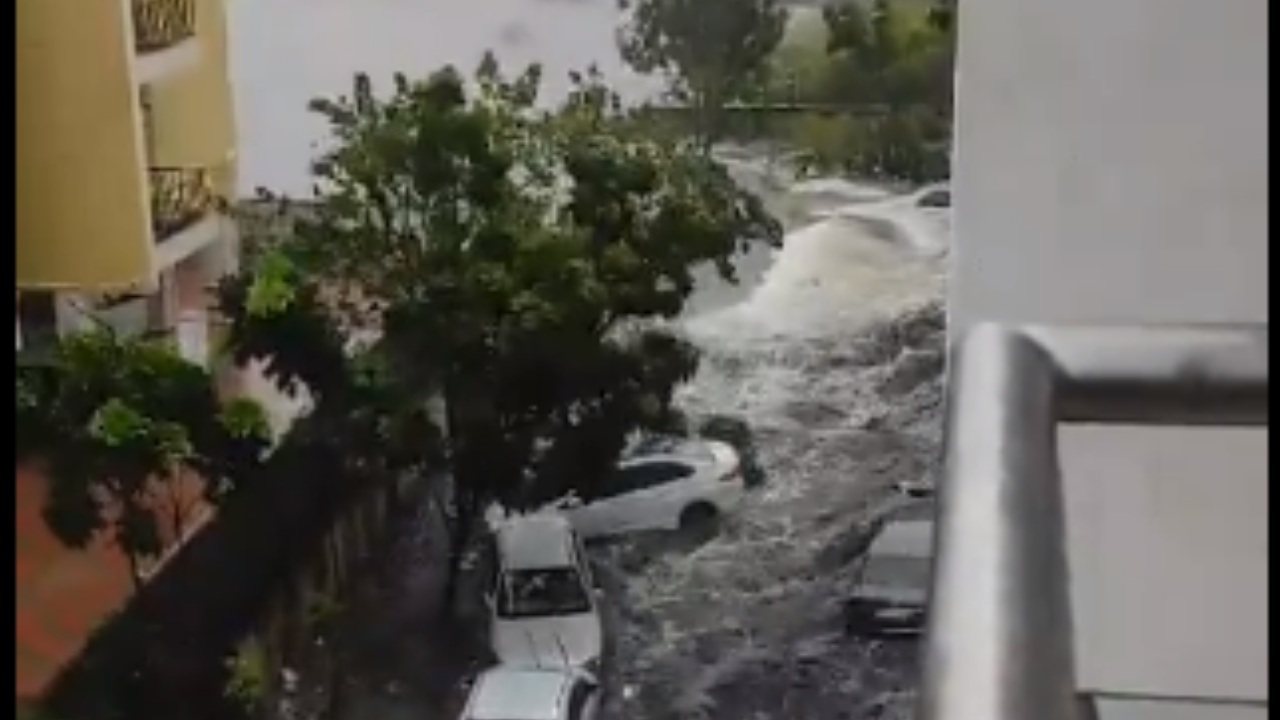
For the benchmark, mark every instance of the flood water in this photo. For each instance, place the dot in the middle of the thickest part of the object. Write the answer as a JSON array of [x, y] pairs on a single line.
[[831, 349]]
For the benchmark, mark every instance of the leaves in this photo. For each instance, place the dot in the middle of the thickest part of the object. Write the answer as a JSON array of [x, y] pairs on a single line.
[[892, 56], [115, 422], [516, 261], [711, 51]]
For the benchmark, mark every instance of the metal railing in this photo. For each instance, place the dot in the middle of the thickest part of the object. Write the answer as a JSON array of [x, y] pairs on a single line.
[[180, 197], [1000, 640], [159, 24]]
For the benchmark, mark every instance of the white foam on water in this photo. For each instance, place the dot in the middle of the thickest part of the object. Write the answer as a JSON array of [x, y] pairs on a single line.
[[833, 276]]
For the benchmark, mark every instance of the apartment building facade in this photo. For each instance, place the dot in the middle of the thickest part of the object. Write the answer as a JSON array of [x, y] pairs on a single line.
[[126, 162], [126, 166]]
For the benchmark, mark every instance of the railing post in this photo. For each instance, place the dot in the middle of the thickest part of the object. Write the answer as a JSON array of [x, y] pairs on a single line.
[[1000, 640], [1000, 621]]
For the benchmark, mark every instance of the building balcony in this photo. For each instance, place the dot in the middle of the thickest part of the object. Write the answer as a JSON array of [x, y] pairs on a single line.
[[85, 205], [180, 198], [185, 212], [164, 37], [162, 24]]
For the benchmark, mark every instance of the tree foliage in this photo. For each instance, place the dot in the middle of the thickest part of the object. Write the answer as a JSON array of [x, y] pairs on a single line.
[[117, 423], [711, 52], [517, 263], [892, 56], [278, 317]]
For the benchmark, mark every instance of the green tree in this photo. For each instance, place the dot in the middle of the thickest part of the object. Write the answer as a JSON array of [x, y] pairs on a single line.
[[115, 422], [894, 59], [277, 316], [516, 263], [711, 52]]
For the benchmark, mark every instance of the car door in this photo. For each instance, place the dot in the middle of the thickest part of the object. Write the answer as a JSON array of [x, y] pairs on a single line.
[[650, 496], [593, 516]]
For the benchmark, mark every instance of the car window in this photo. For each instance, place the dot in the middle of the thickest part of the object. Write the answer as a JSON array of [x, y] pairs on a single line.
[[642, 476], [542, 593], [578, 697]]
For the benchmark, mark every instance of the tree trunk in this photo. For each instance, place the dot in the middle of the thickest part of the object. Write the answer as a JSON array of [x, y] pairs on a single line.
[[460, 530], [135, 571], [178, 510]]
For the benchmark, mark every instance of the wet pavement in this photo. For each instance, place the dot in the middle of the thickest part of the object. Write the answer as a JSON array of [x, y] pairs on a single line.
[[402, 656]]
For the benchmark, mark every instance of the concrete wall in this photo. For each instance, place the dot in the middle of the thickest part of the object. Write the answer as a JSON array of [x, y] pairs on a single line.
[[194, 120], [296, 633], [1112, 167], [82, 206], [83, 198], [296, 531]]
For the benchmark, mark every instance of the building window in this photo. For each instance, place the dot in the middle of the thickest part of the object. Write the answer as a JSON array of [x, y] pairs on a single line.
[[37, 319]]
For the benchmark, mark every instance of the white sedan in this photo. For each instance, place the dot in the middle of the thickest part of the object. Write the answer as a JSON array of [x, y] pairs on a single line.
[[543, 599], [506, 693], [668, 484]]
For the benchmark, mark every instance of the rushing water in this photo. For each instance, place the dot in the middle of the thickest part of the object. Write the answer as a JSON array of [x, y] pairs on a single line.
[[834, 359], [831, 349]]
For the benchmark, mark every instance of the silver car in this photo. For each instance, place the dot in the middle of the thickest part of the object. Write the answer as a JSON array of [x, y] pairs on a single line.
[[505, 693], [543, 601], [893, 590]]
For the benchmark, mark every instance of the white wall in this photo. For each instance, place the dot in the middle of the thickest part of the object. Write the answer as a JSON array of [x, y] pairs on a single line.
[[1112, 167]]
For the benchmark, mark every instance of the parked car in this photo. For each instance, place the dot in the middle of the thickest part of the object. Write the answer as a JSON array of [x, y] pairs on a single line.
[[892, 593], [662, 484], [507, 693], [937, 195], [543, 600], [917, 488]]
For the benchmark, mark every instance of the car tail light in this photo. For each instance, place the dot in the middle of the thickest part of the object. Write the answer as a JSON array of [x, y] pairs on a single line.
[[733, 475]]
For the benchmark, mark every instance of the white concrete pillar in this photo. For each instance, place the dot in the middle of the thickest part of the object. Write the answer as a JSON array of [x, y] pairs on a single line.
[[192, 331], [1111, 167]]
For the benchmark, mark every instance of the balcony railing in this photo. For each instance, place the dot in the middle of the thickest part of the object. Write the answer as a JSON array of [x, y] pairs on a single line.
[[159, 24], [180, 197], [1000, 644]]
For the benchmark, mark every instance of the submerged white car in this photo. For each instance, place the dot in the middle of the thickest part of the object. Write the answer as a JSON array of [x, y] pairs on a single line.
[[506, 693], [665, 484], [543, 599], [935, 195]]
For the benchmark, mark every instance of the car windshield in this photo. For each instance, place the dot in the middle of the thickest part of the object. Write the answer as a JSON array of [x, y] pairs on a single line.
[[542, 593]]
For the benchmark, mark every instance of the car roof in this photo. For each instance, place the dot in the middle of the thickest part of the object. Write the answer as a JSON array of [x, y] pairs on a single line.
[[505, 693], [528, 542], [692, 451], [904, 538]]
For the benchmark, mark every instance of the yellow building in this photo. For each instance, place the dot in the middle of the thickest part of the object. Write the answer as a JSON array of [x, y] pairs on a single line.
[[126, 156]]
